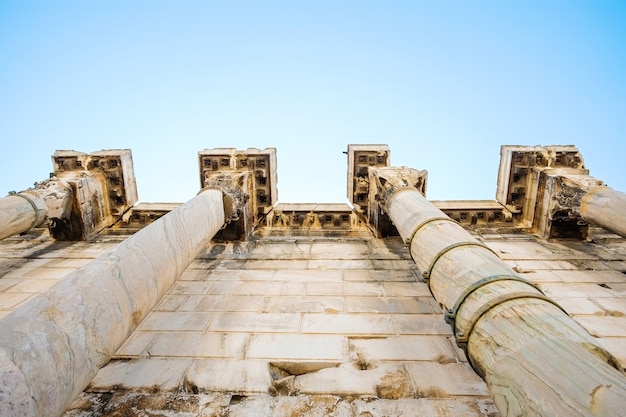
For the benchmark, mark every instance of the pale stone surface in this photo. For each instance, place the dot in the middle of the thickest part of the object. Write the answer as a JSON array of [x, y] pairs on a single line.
[[11, 300], [254, 322], [136, 344], [220, 303], [309, 276], [163, 320], [19, 213], [345, 288], [445, 379], [297, 347], [159, 373], [80, 322], [234, 405], [581, 305], [421, 324], [612, 306], [617, 347], [350, 324], [310, 304], [32, 285], [603, 326], [531, 265], [403, 348], [354, 378], [41, 273], [576, 290], [199, 345], [248, 376]]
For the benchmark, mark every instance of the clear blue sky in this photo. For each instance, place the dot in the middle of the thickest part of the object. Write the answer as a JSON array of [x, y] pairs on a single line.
[[443, 83]]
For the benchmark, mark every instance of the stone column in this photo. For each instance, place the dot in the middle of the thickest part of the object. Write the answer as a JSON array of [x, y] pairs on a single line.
[[52, 347], [605, 207], [20, 213], [535, 359]]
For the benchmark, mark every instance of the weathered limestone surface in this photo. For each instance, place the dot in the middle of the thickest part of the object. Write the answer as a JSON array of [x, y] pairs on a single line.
[[605, 207], [52, 346], [21, 212], [272, 324], [532, 356]]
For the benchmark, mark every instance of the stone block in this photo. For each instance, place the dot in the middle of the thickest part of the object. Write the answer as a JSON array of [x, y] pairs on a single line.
[[297, 347], [199, 345], [136, 344], [421, 324], [222, 303], [531, 265], [141, 374], [345, 288], [299, 304], [412, 305], [576, 290], [580, 306], [379, 380], [431, 407], [171, 302], [240, 275], [347, 324], [239, 376], [268, 288], [616, 347], [256, 322], [32, 285], [603, 326], [612, 306], [406, 289], [439, 380], [340, 264], [11, 300], [201, 287], [176, 321], [309, 275], [402, 348], [366, 305]]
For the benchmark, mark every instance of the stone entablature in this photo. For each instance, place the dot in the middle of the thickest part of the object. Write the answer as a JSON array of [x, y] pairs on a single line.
[[312, 218], [476, 213]]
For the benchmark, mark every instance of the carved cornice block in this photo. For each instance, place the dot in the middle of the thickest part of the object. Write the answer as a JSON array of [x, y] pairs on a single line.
[[360, 158], [103, 189], [247, 179], [542, 187]]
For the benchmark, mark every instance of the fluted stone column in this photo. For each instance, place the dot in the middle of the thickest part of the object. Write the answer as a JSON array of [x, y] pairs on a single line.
[[20, 213], [535, 359], [52, 347], [605, 207]]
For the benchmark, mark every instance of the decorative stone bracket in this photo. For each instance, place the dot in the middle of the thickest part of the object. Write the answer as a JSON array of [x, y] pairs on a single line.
[[103, 188], [85, 194], [550, 192], [247, 180]]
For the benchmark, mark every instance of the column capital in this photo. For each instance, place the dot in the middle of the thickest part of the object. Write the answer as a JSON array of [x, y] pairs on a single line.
[[247, 179], [103, 188], [543, 188], [384, 181]]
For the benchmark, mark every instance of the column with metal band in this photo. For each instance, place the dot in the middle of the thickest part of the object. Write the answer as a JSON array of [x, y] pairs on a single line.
[[52, 346], [535, 359]]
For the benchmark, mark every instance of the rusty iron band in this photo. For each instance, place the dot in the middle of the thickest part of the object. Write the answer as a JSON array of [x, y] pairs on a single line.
[[447, 249]]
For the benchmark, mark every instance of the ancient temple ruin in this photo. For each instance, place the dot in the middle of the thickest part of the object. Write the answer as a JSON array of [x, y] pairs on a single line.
[[233, 304]]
